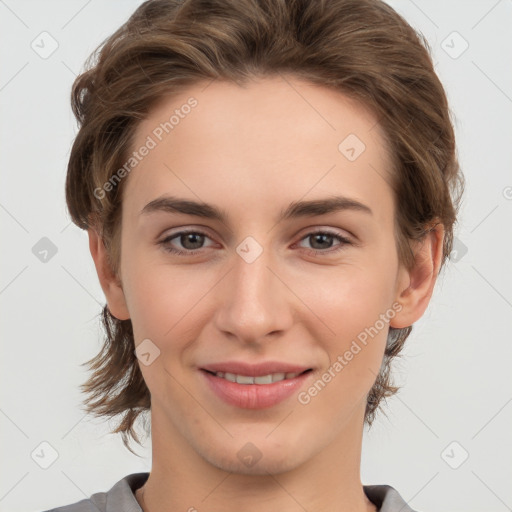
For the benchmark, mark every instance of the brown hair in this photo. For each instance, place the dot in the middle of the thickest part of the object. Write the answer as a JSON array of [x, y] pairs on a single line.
[[361, 48]]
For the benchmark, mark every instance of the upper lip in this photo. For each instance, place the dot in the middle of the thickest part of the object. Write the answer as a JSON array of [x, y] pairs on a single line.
[[254, 370]]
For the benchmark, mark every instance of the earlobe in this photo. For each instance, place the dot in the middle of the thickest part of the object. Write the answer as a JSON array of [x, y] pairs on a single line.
[[110, 283], [415, 295]]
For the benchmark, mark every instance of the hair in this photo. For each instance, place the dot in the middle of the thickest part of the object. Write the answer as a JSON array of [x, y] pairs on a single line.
[[361, 48]]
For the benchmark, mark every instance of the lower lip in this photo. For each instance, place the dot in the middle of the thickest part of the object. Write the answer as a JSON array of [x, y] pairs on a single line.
[[254, 396]]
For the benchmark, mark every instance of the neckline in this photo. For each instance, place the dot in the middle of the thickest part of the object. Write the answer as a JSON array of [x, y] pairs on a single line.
[[375, 493]]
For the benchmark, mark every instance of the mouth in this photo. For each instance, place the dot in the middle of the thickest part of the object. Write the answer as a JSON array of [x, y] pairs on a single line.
[[256, 386], [269, 378]]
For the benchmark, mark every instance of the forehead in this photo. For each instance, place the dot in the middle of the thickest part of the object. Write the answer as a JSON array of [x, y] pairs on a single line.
[[270, 140]]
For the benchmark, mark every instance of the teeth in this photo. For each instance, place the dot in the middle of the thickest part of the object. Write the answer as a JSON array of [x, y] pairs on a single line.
[[242, 379], [263, 379]]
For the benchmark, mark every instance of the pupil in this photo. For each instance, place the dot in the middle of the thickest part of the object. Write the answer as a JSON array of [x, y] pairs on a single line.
[[190, 237], [321, 236]]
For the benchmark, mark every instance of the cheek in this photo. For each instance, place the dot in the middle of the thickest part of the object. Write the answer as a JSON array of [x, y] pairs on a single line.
[[353, 297], [162, 298], [164, 306], [356, 305], [354, 352]]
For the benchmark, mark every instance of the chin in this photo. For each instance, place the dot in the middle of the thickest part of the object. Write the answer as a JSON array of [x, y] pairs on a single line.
[[271, 465], [258, 458]]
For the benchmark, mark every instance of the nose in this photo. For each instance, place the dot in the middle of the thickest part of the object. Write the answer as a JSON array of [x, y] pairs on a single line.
[[254, 299]]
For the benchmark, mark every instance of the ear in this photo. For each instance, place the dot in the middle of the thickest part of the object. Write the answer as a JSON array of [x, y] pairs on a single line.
[[415, 286], [110, 283]]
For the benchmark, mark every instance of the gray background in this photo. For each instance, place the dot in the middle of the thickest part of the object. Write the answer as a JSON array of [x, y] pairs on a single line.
[[456, 399]]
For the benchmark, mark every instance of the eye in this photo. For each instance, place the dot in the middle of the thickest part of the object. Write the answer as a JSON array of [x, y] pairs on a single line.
[[322, 239], [192, 241]]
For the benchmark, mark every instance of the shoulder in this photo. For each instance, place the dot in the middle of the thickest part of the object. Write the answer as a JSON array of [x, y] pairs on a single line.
[[119, 498], [386, 498]]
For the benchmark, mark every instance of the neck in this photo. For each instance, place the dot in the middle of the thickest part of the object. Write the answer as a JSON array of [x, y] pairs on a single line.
[[181, 479]]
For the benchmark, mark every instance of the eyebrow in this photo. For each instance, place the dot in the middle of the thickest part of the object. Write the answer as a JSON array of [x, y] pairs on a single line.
[[294, 210]]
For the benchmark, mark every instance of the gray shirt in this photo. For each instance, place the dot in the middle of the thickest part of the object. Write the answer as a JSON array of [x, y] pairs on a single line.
[[121, 498]]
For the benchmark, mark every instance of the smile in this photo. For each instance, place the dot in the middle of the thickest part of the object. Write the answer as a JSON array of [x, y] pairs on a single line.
[[255, 391], [263, 379]]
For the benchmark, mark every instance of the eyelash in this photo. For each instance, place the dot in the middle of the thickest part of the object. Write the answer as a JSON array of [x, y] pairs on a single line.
[[344, 241]]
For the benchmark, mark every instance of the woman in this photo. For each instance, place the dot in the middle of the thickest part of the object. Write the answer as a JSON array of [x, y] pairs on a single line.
[[270, 189]]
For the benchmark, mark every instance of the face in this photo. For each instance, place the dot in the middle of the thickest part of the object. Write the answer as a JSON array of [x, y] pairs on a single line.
[[278, 283]]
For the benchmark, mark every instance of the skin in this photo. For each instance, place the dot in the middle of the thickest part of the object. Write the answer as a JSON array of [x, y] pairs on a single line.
[[251, 151]]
